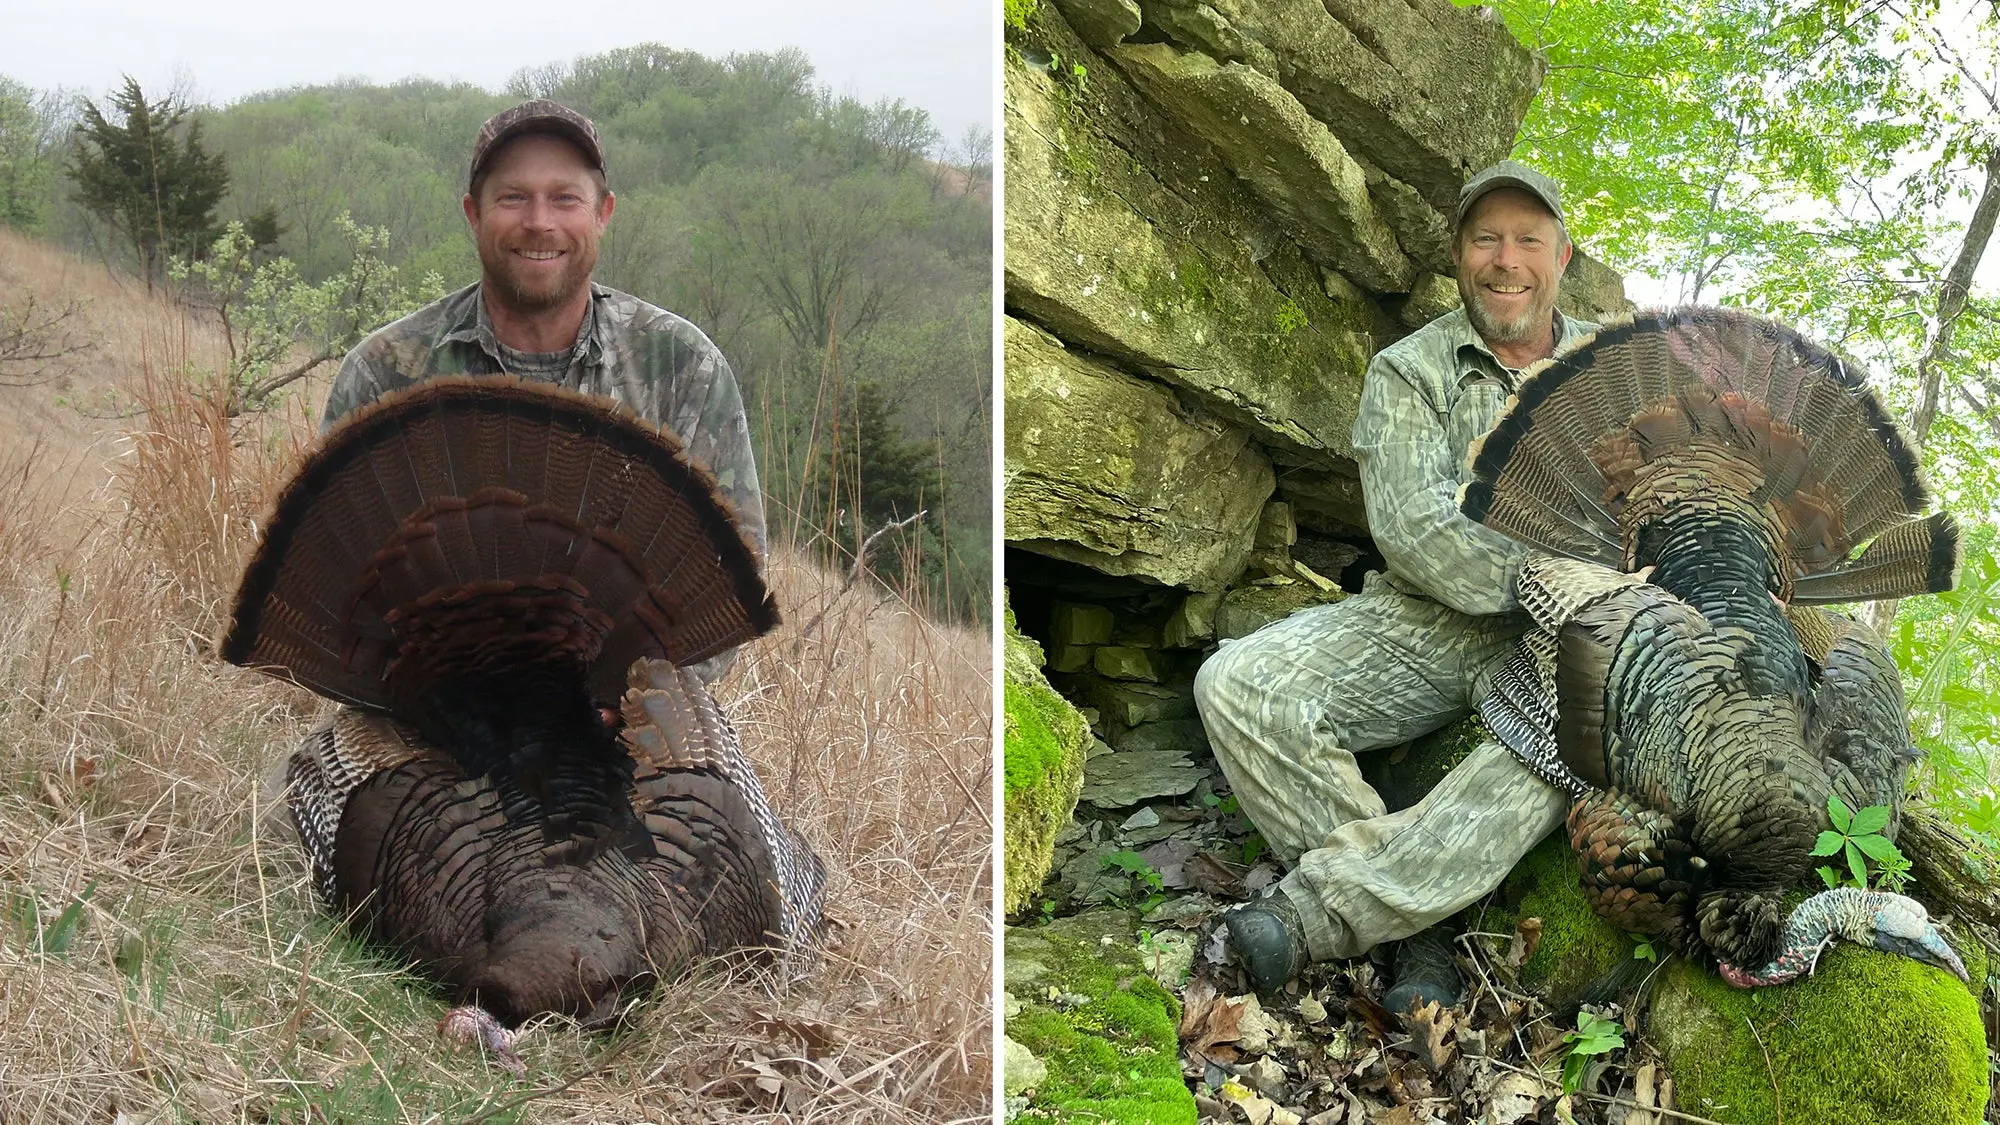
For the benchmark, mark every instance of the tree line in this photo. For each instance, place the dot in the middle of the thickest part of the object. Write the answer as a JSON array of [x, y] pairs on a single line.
[[838, 252]]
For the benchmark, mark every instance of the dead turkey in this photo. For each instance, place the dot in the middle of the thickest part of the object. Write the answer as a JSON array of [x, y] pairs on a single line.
[[528, 792], [1700, 719]]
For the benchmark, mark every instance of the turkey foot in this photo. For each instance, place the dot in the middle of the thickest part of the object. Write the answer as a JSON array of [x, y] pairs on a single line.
[[472, 1025]]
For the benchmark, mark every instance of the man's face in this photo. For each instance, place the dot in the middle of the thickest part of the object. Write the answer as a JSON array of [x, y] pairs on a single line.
[[1510, 256], [537, 221]]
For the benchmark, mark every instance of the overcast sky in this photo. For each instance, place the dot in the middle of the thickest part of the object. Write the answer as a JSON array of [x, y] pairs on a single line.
[[936, 54]]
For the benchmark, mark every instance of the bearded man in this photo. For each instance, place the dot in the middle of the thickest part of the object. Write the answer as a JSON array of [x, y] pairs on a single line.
[[1288, 707], [538, 201]]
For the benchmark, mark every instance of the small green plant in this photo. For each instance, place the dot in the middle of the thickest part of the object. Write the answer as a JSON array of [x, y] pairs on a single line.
[[1857, 838], [1254, 847], [1644, 950], [1593, 1036], [1135, 865]]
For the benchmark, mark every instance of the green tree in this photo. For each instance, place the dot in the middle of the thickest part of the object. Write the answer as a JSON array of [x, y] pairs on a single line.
[[26, 166], [148, 176], [278, 327], [871, 474]]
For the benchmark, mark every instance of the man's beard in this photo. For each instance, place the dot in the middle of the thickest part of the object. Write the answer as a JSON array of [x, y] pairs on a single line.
[[1492, 328], [507, 277]]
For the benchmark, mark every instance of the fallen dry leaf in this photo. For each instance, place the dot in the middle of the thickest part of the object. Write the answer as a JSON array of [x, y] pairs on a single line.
[[1430, 1029], [1210, 1024], [1653, 1091], [1527, 935], [1213, 875], [1258, 1108], [1515, 1098]]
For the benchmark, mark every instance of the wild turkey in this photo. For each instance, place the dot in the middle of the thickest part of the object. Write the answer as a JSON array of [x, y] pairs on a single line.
[[1700, 719], [529, 793]]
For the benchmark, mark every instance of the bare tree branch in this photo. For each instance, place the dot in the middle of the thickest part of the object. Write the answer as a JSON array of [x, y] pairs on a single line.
[[33, 338], [1951, 298]]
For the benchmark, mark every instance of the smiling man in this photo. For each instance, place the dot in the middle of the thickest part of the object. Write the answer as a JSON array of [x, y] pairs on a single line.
[[538, 202], [1288, 707]]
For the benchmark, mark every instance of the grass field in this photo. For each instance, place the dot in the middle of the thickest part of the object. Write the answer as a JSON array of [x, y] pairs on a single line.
[[161, 955]]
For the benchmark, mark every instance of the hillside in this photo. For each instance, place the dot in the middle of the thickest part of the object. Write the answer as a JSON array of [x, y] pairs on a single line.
[[161, 956]]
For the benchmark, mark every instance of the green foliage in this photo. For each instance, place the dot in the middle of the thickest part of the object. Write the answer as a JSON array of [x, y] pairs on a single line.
[[1135, 865], [27, 163], [158, 191], [1593, 1036], [269, 312], [1016, 12], [1857, 836], [1642, 949]]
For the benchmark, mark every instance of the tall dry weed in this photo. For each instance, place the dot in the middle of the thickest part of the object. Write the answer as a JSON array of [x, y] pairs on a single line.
[[162, 959]]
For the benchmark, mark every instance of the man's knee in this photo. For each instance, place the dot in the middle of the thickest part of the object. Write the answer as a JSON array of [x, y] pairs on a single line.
[[1222, 681]]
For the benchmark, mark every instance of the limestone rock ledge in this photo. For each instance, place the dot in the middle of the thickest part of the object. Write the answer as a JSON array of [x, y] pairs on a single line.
[[1111, 471]]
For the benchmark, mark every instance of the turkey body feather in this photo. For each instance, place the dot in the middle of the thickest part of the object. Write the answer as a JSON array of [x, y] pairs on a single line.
[[1701, 718], [528, 793]]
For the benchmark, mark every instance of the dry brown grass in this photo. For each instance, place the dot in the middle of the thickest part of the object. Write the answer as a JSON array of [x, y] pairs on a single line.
[[162, 959]]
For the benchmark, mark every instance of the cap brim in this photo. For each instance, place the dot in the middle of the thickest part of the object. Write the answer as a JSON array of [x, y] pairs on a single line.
[[568, 130], [1498, 182]]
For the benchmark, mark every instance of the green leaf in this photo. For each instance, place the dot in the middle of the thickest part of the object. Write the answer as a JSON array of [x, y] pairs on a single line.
[[1828, 843], [1857, 865], [1878, 848], [1872, 819], [1837, 810], [1572, 1076], [1826, 876]]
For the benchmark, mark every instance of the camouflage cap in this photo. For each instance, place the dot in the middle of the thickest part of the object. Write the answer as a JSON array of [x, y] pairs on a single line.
[[537, 116], [1509, 174]]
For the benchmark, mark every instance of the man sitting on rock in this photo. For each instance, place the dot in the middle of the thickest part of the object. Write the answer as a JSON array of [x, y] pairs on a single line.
[[1288, 707]]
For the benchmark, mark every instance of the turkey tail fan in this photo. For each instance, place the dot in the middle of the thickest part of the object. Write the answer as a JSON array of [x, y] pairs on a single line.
[[1792, 424], [466, 521]]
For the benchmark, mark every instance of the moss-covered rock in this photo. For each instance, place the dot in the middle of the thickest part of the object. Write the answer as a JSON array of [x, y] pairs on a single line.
[[1249, 608], [1288, 158], [1043, 753], [1100, 1022], [1124, 239], [1869, 1038]]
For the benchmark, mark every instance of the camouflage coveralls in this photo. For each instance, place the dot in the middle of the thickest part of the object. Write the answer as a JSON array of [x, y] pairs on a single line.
[[1287, 707], [655, 363]]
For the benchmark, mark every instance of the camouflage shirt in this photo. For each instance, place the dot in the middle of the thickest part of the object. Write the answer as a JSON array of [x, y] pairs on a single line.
[[1425, 400], [657, 364]]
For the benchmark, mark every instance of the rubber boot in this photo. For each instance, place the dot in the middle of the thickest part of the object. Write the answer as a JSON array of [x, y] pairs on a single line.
[[1268, 940], [1426, 973]]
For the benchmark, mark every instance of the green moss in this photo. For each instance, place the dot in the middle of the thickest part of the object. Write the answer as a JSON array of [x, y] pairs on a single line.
[[1111, 1046], [1870, 1037], [1042, 762], [1577, 947], [1016, 13], [1290, 317]]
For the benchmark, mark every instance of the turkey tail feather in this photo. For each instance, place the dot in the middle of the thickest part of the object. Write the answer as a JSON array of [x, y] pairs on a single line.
[[458, 483], [1790, 424]]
